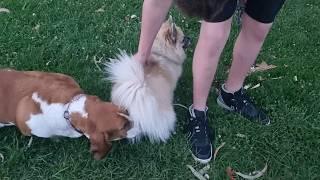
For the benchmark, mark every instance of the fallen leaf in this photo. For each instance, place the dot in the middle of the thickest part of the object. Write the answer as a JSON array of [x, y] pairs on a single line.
[[241, 135], [204, 170], [217, 150], [263, 66], [256, 86], [275, 78], [183, 106], [247, 86], [4, 10], [295, 78], [202, 173], [100, 10], [96, 62], [256, 174], [231, 173], [30, 142], [196, 173], [133, 16]]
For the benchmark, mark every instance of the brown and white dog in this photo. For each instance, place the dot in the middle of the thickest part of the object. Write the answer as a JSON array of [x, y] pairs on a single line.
[[51, 104]]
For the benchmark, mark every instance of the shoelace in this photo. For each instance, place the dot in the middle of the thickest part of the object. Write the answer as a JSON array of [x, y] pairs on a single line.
[[200, 131], [241, 100]]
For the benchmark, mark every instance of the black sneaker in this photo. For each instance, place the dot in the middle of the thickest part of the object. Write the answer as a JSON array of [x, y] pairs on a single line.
[[240, 103], [199, 135]]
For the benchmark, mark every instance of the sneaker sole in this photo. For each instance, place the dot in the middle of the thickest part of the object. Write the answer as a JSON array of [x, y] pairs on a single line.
[[203, 161], [221, 103]]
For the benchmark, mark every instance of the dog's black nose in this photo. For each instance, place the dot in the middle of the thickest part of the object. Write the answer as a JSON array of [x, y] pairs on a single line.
[[186, 42]]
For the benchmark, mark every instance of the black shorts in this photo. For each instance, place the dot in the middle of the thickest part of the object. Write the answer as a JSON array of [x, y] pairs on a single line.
[[263, 11]]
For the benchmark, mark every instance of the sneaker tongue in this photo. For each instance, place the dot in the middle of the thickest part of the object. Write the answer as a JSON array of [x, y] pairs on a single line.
[[200, 114], [239, 92]]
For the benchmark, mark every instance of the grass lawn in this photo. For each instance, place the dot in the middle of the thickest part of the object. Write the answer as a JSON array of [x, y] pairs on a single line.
[[67, 36]]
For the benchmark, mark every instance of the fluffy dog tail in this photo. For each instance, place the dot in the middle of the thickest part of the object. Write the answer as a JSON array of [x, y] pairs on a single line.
[[130, 91]]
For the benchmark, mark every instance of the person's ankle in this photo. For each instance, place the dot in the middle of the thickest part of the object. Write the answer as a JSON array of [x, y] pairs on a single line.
[[199, 107], [230, 89]]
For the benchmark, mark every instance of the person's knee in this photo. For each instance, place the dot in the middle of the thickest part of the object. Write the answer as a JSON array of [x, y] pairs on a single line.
[[216, 33], [259, 34], [255, 30], [220, 36]]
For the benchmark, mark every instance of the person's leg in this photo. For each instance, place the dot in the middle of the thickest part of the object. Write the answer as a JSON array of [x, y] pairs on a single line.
[[246, 50], [256, 24], [153, 15], [212, 39]]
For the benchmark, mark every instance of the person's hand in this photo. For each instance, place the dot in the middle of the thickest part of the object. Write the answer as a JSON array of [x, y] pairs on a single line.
[[140, 58], [153, 14]]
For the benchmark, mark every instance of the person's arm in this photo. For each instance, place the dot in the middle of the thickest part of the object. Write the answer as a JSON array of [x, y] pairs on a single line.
[[153, 15]]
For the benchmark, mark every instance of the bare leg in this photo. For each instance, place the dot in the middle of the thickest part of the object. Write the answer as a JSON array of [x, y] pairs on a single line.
[[153, 15], [246, 50], [212, 39]]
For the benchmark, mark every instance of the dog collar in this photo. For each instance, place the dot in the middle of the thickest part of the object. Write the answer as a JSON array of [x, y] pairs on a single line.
[[67, 114]]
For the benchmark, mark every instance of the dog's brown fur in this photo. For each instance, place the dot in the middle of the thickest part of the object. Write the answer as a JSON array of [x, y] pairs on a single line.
[[103, 123]]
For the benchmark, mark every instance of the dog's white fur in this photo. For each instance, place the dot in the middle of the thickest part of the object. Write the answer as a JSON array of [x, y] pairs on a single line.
[[147, 92], [51, 122]]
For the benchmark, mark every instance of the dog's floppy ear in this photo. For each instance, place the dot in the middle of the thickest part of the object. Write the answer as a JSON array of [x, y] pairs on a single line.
[[98, 145]]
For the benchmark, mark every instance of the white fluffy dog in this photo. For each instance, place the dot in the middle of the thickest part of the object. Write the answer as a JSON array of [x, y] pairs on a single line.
[[146, 92]]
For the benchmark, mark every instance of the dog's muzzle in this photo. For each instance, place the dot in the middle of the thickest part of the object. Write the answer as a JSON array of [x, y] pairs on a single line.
[[186, 42]]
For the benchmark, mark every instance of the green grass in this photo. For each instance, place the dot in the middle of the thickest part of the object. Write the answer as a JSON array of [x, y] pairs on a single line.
[[70, 35]]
